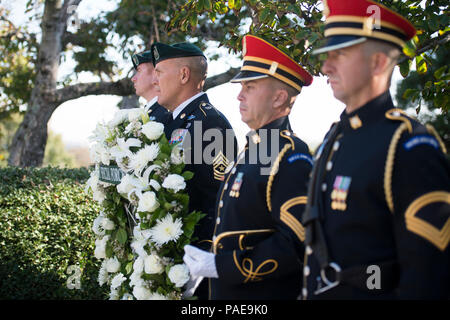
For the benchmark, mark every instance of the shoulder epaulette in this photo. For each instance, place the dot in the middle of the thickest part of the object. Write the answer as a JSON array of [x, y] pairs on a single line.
[[205, 106]]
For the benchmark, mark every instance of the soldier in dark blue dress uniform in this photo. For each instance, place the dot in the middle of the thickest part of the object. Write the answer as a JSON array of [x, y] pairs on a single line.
[[144, 86], [257, 243], [206, 136], [377, 218]]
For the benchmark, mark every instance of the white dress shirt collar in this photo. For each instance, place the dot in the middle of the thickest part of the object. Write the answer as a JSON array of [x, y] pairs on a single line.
[[180, 108], [150, 103]]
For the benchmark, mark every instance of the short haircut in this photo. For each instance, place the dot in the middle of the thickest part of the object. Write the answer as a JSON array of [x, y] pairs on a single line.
[[291, 91], [197, 65]]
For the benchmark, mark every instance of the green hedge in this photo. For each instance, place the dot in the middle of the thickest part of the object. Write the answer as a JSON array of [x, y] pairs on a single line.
[[45, 227]]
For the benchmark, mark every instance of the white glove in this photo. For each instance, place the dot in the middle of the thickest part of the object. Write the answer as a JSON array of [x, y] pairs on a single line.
[[200, 263]]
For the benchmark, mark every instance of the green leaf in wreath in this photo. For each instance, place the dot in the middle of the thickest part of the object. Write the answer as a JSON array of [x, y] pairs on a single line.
[[122, 236], [187, 175]]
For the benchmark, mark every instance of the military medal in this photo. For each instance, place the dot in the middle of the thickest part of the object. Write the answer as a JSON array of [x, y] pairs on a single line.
[[178, 136], [339, 193], [236, 185]]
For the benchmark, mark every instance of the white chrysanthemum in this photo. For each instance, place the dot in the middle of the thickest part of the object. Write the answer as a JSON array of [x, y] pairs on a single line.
[[174, 182], [179, 275], [99, 195], [166, 230], [141, 293], [112, 265], [153, 264], [117, 281], [147, 202], [140, 159], [153, 130], [102, 274], [177, 157]]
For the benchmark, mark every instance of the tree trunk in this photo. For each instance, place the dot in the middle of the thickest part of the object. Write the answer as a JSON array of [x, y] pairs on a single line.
[[28, 145], [29, 141]]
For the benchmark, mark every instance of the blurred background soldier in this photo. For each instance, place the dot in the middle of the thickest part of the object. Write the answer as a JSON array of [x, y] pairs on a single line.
[[377, 219], [145, 87], [258, 238]]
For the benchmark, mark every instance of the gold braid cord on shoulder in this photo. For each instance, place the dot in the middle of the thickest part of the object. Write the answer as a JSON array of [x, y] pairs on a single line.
[[389, 167], [273, 172], [433, 131]]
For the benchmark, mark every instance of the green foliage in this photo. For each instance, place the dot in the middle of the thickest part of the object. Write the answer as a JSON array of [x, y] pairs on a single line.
[[430, 89], [45, 227], [296, 27]]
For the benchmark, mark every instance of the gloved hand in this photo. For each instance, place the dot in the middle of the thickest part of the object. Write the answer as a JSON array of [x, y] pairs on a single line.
[[200, 263]]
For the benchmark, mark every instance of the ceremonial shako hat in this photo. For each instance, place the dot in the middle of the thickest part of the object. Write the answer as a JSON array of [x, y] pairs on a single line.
[[142, 57], [262, 59], [351, 22], [162, 51]]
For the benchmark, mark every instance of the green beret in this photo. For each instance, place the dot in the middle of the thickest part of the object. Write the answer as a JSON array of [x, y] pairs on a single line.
[[142, 57], [161, 51]]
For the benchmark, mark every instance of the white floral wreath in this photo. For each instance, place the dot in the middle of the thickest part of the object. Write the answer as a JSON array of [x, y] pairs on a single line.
[[144, 222]]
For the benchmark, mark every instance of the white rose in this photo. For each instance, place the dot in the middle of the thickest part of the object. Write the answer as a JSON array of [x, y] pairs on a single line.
[[141, 293], [174, 182], [152, 264], [179, 275], [147, 202], [153, 130], [112, 265]]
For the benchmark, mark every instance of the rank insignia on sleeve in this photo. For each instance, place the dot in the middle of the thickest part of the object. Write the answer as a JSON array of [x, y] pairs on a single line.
[[339, 193], [236, 185], [178, 136], [220, 164]]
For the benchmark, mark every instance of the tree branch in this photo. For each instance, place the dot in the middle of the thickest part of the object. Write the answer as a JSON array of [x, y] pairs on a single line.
[[220, 78], [122, 88], [432, 43]]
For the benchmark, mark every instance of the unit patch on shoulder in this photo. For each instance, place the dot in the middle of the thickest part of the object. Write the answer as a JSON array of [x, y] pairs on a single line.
[[420, 140], [300, 156]]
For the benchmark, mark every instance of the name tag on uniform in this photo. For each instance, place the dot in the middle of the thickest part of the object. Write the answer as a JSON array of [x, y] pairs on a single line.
[[178, 136]]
